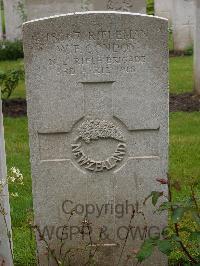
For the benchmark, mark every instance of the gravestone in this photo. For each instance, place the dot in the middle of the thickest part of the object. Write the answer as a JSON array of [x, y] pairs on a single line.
[[163, 8], [14, 12], [5, 223], [97, 96], [136, 6], [197, 47], [183, 24], [45, 8]]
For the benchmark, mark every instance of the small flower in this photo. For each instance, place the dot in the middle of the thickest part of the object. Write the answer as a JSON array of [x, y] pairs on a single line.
[[12, 179], [15, 176], [14, 195]]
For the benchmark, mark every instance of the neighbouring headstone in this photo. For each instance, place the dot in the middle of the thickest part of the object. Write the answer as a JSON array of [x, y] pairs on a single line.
[[183, 24], [5, 222], [197, 47], [163, 8], [45, 8], [97, 95], [14, 12], [136, 6]]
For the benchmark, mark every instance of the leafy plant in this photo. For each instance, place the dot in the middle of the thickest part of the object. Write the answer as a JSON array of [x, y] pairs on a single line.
[[15, 177], [189, 50], [21, 10], [181, 237], [11, 50], [9, 81], [150, 7]]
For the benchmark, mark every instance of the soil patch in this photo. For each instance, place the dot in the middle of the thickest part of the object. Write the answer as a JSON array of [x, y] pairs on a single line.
[[185, 102], [14, 107]]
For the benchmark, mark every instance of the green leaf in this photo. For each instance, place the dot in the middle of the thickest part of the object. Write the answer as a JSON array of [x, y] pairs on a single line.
[[145, 251], [165, 246], [195, 236], [176, 239], [164, 206], [196, 217], [155, 196], [177, 214]]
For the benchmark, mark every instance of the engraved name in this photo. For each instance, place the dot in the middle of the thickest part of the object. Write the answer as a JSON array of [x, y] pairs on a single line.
[[108, 38], [82, 50], [98, 166]]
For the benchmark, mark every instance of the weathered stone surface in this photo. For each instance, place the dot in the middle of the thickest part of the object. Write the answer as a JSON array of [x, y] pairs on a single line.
[[45, 8], [197, 47], [5, 244], [163, 8], [183, 24], [13, 11], [97, 93], [137, 6]]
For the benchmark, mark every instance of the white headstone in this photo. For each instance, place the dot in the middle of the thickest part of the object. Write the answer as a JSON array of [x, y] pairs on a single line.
[[197, 47], [136, 6], [14, 12], [163, 8], [97, 94], [5, 223], [45, 8], [183, 24]]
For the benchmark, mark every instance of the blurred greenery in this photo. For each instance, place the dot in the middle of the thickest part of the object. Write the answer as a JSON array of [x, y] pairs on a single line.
[[10, 65], [150, 7]]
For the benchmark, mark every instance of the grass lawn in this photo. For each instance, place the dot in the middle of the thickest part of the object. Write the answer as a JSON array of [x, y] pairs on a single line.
[[17, 149], [180, 72], [184, 166]]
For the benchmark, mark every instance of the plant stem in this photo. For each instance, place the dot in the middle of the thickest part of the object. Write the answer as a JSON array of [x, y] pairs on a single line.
[[176, 225], [187, 253], [129, 229], [195, 201]]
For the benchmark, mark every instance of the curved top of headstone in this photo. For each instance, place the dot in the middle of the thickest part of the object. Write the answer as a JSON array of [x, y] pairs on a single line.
[[124, 13], [57, 28], [46, 8]]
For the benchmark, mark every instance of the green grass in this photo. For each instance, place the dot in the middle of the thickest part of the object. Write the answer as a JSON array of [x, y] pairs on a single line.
[[171, 42], [184, 149], [181, 74], [184, 166], [17, 149], [185, 145]]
